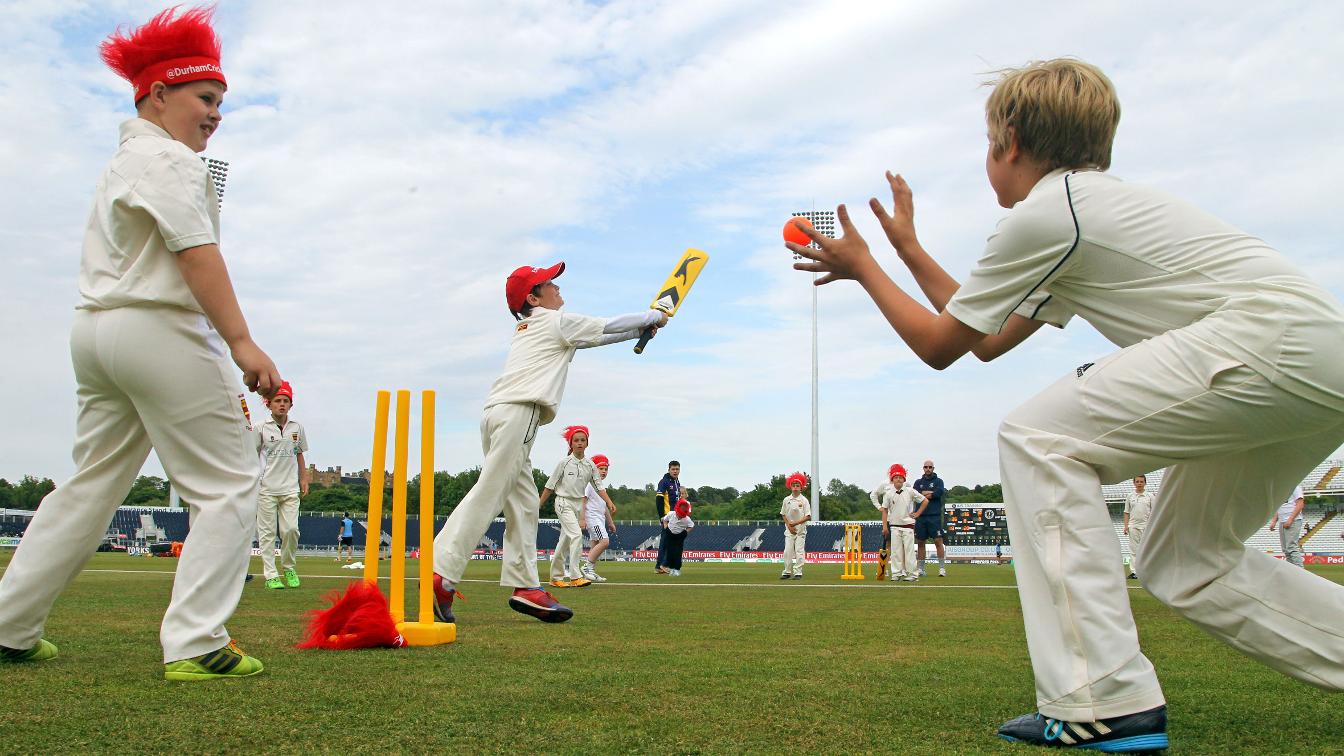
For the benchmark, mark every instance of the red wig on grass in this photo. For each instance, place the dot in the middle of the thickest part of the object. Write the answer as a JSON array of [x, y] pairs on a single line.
[[167, 49]]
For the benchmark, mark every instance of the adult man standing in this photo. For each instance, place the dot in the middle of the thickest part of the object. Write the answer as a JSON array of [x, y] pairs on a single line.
[[1290, 512], [284, 477], [930, 524], [669, 493], [1137, 506]]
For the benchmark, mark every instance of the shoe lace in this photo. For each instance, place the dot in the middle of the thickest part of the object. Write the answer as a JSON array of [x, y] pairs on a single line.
[[1053, 728], [237, 649]]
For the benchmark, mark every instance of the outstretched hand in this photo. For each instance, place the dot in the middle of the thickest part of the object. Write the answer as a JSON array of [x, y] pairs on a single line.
[[900, 224], [847, 257]]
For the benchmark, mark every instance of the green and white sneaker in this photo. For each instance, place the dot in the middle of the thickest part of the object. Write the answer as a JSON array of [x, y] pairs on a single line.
[[275, 583], [43, 651], [291, 579], [229, 661]]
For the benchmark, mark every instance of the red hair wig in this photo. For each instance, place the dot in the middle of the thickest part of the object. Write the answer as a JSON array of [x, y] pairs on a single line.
[[896, 469], [571, 430], [601, 460], [174, 50], [798, 478]]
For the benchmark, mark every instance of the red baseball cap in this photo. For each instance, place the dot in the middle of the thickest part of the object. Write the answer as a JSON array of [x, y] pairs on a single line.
[[522, 280]]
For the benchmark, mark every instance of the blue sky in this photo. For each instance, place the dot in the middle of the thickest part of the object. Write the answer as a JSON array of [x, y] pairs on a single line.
[[382, 187]]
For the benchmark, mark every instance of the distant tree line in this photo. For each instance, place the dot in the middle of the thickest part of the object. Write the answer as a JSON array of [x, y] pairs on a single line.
[[839, 500]]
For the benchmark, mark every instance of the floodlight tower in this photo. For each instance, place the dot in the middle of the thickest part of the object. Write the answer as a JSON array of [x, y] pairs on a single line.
[[824, 222]]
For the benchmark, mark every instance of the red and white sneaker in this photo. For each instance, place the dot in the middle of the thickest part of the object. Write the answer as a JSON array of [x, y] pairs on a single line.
[[443, 600], [539, 604]]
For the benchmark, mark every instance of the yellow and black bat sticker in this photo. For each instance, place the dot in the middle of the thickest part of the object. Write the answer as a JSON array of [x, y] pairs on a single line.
[[674, 289]]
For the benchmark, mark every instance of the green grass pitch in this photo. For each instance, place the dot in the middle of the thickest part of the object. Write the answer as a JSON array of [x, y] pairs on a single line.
[[724, 659]]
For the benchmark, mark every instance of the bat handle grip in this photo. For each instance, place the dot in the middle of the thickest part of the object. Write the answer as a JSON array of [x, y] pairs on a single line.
[[643, 339]]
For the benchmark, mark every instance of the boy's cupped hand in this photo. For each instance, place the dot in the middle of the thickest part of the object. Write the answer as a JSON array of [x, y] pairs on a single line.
[[846, 257]]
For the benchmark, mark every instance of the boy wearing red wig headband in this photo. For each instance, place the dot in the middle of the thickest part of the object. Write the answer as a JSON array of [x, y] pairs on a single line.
[[797, 512], [282, 442], [156, 317], [899, 513], [597, 512], [524, 398], [678, 524], [570, 481]]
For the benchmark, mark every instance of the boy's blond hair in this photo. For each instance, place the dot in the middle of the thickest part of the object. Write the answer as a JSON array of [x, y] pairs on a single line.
[[1063, 111]]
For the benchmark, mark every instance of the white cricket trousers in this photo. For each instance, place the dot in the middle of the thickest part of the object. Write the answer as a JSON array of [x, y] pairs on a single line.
[[1236, 445], [901, 560], [795, 549], [505, 485], [147, 377], [281, 510], [1135, 541], [569, 550]]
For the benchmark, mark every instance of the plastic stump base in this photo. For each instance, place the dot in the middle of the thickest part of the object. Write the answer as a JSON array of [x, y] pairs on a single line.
[[427, 633]]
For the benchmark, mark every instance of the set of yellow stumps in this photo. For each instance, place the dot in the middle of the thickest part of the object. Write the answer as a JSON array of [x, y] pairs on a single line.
[[853, 552], [425, 632]]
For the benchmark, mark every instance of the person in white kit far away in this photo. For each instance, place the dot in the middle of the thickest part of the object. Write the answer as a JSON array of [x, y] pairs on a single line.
[[572, 478], [679, 525], [156, 324], [598, 510], [901, 507], [282, 442], [526, 396], [797, 512], [1288, 519], [1228, 376], [1138, 504]]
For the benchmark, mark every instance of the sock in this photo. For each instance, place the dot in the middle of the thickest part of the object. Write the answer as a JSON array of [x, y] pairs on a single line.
[[921, 564], [942, 561]]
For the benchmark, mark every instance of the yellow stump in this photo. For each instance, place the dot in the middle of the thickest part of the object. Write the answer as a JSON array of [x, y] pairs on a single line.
[[373, 538], [853, 552], [425, 632]]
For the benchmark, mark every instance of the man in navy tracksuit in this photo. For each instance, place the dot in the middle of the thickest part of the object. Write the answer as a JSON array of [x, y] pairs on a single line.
[[930, 524], [669, 493]]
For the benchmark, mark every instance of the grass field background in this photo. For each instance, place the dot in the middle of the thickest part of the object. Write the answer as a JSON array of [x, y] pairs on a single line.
[[717, 661]]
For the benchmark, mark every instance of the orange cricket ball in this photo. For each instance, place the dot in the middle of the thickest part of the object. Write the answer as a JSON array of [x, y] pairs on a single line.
[[792, 232]]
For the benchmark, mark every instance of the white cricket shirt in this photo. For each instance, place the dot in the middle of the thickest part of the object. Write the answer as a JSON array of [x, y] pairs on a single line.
[[573, 475], [280, 449], [1135, 263], [543, 346], [1286, 508], [156, 198], [796, 508], [1138, 506], [901, 505]]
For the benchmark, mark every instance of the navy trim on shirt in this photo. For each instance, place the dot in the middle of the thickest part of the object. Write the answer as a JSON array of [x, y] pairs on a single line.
[[1077, 236]]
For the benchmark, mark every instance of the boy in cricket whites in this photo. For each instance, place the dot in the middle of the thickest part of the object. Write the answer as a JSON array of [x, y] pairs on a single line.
[[1228, 375], [796, 511], [901, 507], [525, 397], [156, 322], [570, 481], [282, 442], [598, 510], [1137, 506]]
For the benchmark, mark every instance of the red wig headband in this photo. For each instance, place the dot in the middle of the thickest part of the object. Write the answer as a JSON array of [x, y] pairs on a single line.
[[798, 478], [571, 430], [894, 470], [601, 460], [170, 50]]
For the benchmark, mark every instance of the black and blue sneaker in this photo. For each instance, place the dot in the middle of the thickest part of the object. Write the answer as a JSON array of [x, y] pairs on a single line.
[[1143, 732]]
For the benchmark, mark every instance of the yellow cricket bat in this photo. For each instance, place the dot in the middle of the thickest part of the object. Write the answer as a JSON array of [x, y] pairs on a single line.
[[674, 289]]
